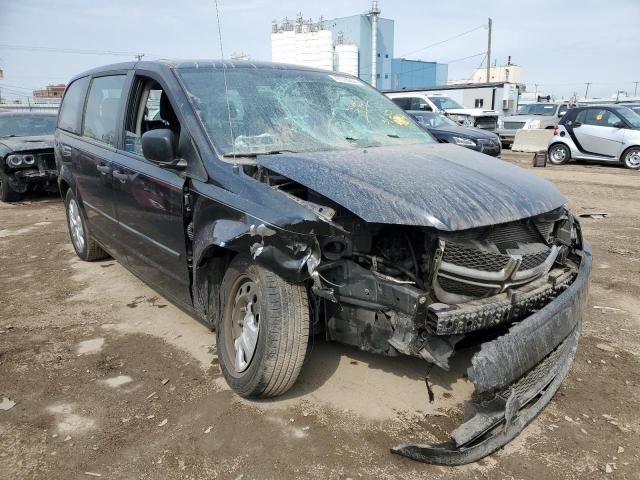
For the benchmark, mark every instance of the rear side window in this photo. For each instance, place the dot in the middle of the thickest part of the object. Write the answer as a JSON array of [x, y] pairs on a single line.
[[72, 104], [103, 107]]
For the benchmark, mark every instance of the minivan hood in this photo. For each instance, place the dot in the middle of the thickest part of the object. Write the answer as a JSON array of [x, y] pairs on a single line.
[[437, 185]]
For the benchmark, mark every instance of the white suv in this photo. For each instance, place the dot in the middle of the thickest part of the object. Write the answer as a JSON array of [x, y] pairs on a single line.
[[430, 102]]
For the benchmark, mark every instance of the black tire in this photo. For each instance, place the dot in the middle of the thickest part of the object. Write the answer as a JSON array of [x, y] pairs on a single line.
[[88, 250], [631, 158], [281, 312], [7, 194], [559, 154]]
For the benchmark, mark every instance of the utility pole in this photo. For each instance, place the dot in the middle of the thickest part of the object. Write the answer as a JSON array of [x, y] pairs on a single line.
[[635, 92], [586, 92], [375, 11], [536, 94], [489, 52]]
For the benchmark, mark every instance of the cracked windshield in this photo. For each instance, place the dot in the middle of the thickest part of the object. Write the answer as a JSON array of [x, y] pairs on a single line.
[[271, 111]]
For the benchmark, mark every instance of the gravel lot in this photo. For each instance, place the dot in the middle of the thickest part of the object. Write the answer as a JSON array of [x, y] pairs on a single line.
[[111, 380]]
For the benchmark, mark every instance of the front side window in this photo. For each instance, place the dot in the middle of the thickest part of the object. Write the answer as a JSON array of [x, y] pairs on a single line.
[[270, 110], [445, 103], [72, 104], [26, 125], [600, 118], [150, 110], [562, 110], [103, 106]]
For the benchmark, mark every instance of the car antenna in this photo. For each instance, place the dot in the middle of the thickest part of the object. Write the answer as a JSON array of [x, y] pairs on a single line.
[[224, 75]]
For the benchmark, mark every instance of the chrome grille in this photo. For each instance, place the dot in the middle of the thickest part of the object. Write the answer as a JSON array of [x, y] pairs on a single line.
[[476, 259], [459, 288], [487, 123]]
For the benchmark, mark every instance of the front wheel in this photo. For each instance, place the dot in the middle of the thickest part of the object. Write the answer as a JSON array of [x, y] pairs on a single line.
[[263, 332], [7, 194], [559, 154], [631, 158]]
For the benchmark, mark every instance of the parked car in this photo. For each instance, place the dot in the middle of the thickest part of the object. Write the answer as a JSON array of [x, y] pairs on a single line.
[[446, 130], [430, 102], [533, 115], [26, 154], [276, 202], [602, 133]]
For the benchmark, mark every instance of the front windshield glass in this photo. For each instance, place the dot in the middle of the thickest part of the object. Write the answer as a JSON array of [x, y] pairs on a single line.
[[273, 110], [435, 120], [444, 103], [20, 125], [630, 116], [545, 109]]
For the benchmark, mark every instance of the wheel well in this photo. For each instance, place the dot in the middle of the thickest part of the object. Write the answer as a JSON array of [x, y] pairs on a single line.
[[626, 150], [208, 274], [64, 186]]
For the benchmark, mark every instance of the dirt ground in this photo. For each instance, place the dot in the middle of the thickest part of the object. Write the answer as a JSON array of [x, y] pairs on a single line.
[[110, 380]]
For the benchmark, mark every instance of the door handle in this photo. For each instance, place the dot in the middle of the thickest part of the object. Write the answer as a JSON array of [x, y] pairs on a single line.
[[120, 176], [103, 168], [66, 151]]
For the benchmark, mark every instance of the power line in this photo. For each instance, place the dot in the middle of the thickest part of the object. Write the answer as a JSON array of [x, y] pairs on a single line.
[[33, 48], [443, 41]]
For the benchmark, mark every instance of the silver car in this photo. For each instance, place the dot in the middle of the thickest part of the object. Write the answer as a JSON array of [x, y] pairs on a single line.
[[531, 116], [603, 133]]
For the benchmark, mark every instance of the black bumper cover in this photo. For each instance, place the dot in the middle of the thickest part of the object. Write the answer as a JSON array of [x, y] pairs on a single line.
[[515, 376]]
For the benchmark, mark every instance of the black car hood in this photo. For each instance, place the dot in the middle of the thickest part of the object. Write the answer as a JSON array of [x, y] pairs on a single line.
[[22, 144], [438, 185], [472, 133]]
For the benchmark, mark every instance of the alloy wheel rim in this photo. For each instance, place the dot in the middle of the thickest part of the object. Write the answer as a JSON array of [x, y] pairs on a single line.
[[558, 154], [633, 159], [245, 323], [75, 224]]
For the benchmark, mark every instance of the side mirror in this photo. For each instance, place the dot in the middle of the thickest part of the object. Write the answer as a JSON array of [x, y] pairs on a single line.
[[158, 147], [562, 113], [618, 125]]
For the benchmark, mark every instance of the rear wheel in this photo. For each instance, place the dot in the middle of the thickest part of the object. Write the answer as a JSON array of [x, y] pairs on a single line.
[[83, 243], [559, 154], [263, 333], [631, 158], [7, 194]]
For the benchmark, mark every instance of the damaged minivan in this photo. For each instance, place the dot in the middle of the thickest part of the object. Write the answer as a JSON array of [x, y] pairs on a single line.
[[278, 202]]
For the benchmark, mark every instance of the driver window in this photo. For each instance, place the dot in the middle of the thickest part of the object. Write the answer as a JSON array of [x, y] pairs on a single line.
[[149, 110], [601, 118]]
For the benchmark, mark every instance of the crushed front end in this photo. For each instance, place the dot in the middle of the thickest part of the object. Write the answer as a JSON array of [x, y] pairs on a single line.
[[514, 291]]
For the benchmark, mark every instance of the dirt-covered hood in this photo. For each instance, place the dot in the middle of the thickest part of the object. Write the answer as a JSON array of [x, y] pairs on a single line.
[[439, 185], [24, 144]]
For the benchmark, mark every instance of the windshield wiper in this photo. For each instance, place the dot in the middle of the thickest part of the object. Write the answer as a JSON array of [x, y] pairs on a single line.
[[393, 135], [8, 136], [255, 154]]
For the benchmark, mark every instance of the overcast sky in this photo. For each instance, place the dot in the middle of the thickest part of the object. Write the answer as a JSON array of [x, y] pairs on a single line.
[[560, 44]]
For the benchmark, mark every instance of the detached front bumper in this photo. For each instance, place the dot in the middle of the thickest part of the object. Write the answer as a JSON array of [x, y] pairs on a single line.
[[515, 376], [20, 179]]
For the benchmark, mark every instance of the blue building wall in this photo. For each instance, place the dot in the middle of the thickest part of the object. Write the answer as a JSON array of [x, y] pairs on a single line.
[[416, 74], [392, 73], [356, 29]]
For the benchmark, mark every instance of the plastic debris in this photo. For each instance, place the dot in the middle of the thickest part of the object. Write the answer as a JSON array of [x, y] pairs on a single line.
[[6, 404]]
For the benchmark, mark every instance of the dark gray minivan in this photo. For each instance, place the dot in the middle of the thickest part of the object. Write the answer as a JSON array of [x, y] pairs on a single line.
[[277, 202]]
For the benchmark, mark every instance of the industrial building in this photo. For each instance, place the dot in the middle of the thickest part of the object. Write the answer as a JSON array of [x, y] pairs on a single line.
[[349, 45]]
